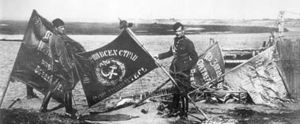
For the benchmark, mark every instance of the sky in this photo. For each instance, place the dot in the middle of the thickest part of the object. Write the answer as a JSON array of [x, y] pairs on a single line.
[[111, 10]]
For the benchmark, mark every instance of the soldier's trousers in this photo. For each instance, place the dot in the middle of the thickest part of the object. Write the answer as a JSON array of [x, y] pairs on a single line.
[[180, 99], [67, 98], [180, 103]]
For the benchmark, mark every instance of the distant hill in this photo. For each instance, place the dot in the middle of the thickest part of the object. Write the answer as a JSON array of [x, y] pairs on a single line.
[[155, 27]]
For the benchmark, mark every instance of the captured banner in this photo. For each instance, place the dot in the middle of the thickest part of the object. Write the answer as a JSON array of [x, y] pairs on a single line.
[[210, 65], [260, 77], [33, 62], [113, 67]]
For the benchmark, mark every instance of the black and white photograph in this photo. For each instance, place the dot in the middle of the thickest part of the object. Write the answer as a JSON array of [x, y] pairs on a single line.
[[149, 62]]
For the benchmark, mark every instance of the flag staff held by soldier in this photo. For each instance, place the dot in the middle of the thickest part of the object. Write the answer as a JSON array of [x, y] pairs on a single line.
[[63, 66], [185, 58]]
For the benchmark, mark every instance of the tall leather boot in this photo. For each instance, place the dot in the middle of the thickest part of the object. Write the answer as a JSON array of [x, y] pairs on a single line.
[[186, 106], [182, 107], [176, 100], [175, 111], [68, 103], [46, 101]]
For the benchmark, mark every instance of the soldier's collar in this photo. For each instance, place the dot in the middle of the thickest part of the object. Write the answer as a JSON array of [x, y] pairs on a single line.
[[180, 37]]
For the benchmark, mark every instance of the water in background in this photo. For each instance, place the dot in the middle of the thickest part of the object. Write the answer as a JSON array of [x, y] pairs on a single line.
[[155, 43]]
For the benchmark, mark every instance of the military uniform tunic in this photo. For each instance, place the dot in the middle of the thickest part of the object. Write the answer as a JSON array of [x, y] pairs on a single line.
[[63, 62], [185, 56]]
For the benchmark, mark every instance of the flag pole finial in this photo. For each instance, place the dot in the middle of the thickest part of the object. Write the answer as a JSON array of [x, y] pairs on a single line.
[[123, 24]]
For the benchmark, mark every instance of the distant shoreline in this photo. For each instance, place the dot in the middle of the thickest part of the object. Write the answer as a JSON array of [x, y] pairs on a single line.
[[12, 40], [83, 28]]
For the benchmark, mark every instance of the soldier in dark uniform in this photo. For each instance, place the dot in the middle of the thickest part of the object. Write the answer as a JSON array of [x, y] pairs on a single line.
[[63, 65], [185, 58]]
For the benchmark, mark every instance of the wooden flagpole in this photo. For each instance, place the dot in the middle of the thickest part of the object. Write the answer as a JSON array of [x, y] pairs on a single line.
[[8, 80], [5, 90], [159, 87], [206, 84]]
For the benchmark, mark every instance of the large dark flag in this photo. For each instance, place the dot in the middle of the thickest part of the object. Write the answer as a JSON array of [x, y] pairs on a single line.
[[210, 65], [114, 66], [260, 77], [33, 62]]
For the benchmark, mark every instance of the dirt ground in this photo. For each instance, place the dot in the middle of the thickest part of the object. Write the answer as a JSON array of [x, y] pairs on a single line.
[[26, 111]]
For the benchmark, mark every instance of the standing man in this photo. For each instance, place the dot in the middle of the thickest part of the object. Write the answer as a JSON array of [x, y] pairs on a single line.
[[62, 52], [185, 58]]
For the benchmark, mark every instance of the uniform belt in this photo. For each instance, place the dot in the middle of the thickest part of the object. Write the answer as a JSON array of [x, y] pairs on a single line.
[[182, 56]]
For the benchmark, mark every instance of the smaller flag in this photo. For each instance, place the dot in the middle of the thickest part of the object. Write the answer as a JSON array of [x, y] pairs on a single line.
[[210, 65]]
